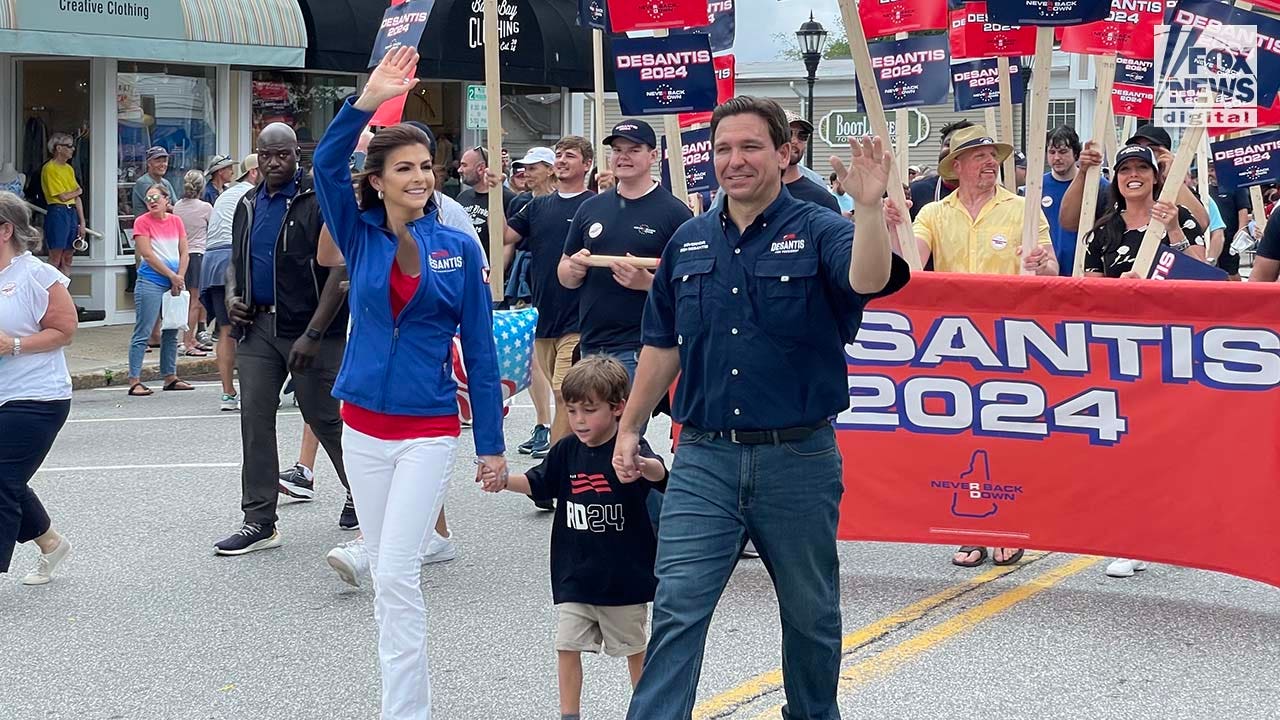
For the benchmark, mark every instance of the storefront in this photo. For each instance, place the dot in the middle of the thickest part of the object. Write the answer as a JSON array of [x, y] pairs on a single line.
[[119, 77]]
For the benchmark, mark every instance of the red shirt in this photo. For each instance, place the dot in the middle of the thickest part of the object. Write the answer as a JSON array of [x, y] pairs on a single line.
[[400, 427]]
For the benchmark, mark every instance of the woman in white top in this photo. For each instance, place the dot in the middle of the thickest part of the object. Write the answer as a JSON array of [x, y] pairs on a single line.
[[194, 214], [37, 319]]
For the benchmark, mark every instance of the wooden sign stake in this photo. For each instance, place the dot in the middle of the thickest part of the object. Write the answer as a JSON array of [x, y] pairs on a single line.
[[1102, 128], [675, 148], [1031, 212], [1006, 120], [493, 93]]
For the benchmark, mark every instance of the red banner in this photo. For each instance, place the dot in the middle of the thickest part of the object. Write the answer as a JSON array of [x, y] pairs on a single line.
[[955, 34], [1129, 30], [726, 71], [1272, 5], [890, 17], [1267, 117], [1136, 101], [1110, 417], [984, 39], [628, 15]]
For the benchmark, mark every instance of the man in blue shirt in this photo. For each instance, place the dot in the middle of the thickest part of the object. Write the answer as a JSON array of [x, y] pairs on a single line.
[[754, 304], [1063, 150]]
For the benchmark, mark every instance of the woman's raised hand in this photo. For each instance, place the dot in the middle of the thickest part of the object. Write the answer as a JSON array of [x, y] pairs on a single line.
[[393, 77]]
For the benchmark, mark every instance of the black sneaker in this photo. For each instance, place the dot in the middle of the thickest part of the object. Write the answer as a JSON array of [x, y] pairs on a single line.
[[250, 537], [541, 434], [541, 442], [545, 505], [348, 519], [297, 482]]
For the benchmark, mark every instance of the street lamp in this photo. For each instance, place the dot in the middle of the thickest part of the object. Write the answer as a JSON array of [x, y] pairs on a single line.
[[813, 40]]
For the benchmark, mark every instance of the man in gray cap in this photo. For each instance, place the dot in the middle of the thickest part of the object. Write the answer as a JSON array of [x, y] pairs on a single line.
[[219, 174], [157, 166], [797, 183]]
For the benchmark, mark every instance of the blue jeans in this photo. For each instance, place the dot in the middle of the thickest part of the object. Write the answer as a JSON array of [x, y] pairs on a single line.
[[147, 297], [786, 499]]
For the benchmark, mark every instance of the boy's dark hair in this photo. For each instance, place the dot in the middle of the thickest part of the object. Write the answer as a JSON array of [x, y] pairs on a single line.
[[957, 125], [599, 378], [775, 118], [1064, 136]]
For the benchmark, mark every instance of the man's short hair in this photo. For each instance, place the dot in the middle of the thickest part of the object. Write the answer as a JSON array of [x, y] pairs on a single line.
[[948, 129], [596, 378], [768, 110], [1064, 136], [579, 143]]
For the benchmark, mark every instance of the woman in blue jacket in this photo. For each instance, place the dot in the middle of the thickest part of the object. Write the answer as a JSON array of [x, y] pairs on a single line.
[[414, 283]]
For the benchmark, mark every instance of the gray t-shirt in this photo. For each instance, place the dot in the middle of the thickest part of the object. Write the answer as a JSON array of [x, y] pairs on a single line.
[[140, 188]]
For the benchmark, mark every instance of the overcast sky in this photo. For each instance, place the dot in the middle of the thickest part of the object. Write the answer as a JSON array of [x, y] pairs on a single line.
[[758, 20]]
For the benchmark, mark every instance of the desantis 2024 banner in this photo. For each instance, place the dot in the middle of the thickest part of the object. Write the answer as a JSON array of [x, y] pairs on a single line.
[[1112, 417]]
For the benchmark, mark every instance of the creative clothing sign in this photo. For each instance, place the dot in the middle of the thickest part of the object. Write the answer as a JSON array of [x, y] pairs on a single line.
[[699, 170], [402, 24], [1134, 93], [513, 335], [629, 15], [984, 38], [911, 72], [593, 14], [723, 25], [1048, 12], [1246, 161], [664, 76], [726, 72], [1130, 28], [881, 18], [976, 84], [1044, 427]]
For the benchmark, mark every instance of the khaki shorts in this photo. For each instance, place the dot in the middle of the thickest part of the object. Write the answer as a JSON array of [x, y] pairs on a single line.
[[622, 631], [555, 356]]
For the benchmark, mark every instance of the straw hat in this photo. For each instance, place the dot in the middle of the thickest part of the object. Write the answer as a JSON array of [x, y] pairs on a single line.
[[967, 139]]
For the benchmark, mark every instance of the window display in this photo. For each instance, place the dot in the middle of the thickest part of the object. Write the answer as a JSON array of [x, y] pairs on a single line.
[[306, 102]]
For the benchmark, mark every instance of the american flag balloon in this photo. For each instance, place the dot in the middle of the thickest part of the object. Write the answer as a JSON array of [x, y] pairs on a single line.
[[513, 336]]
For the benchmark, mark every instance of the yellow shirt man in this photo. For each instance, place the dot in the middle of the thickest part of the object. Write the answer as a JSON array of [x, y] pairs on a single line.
[[56, 179], [989, 244]]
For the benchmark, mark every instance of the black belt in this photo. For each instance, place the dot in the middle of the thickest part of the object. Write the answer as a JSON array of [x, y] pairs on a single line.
[[269, 309], [767, 437]]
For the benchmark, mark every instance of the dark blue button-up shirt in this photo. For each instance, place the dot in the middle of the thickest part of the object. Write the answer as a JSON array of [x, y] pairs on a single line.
[[268, 218], [760, 318]]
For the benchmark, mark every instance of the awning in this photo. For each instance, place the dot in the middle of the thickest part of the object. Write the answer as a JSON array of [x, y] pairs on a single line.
[[541, 42], [257, 33]]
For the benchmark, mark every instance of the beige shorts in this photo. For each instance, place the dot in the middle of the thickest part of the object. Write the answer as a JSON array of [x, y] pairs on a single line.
[[555, 356], [621, 631]]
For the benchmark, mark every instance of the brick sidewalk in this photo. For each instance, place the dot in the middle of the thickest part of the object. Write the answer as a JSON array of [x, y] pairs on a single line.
[[99, 357]]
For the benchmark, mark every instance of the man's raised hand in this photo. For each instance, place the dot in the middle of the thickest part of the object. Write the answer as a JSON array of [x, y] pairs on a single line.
[[867, 177]]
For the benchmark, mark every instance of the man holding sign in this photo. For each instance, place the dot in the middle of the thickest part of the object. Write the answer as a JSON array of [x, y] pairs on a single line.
[[754, 304]]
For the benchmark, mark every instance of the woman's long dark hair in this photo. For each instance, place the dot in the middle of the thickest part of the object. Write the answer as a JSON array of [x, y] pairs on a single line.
[[1112, 221], [386, 141]]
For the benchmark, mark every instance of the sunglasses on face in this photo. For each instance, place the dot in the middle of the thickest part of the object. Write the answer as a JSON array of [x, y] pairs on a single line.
[[801, 134], [65, 145], [154, 198]]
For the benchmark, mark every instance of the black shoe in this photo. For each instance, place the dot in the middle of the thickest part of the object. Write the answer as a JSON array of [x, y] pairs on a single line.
[[250, 537], [295, 483], [545, 505], [539, 439], [348, 519]]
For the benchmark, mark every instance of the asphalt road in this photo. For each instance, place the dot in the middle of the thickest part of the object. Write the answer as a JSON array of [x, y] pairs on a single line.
[[143, 621]]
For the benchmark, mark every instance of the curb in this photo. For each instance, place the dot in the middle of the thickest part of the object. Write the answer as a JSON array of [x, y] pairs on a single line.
[[118, 374]]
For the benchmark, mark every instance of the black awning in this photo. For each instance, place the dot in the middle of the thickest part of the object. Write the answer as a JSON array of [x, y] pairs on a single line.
[[541, 42]]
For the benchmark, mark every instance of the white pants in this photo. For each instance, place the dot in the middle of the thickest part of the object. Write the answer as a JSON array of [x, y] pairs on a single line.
[[398, 487]]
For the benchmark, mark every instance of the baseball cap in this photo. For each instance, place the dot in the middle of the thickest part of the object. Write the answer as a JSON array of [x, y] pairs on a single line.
[[795, 119], [536, 155], [1141, 152], [637, 131], [1154, 134], [250, 162], [1019, 159], [913, 168], [431, 137], [155, 152], [217, 163]]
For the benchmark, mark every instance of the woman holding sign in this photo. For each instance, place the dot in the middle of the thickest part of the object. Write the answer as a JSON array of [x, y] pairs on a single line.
[[413, 282]]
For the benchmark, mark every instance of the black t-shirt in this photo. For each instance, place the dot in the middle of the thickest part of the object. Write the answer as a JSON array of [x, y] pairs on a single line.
[[1269, 246], [602, 542], [477, 206], [810, 191], [1230, 203], [544, 224], [1113, 250], [609, 224], [923, 192]]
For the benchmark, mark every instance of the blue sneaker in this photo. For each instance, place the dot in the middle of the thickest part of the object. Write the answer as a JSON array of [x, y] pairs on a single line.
[[539, 440]]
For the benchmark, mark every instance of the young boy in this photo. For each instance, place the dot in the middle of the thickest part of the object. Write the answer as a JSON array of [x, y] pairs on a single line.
[[602, 544]]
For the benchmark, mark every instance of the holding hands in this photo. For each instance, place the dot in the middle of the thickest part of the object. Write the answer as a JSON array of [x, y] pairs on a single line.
[[492, 473]]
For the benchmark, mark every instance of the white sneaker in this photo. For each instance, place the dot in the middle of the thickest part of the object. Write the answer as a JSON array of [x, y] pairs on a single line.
[[440, 549], [42, 573], [230, 403], [350, 561], [1123, 567]]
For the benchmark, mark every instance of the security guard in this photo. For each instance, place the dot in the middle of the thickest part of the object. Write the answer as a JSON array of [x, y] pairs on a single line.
[[754, 304]]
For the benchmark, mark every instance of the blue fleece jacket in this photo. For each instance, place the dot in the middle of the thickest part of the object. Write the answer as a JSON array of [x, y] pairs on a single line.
[[402, 365]]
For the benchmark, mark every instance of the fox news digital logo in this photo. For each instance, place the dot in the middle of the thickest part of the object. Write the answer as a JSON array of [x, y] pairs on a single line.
[[1207, 73]]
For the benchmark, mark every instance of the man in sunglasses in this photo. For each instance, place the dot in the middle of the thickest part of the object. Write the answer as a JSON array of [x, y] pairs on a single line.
[[798, 184]]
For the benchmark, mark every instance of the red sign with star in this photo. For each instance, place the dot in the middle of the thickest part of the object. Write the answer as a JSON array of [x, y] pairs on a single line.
[[1132, 31], [984, 39], [628, 15], [890, 17], [726, 72]]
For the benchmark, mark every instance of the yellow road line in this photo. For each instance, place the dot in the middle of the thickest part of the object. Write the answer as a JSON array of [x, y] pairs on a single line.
[[884, 663], [771, 681]]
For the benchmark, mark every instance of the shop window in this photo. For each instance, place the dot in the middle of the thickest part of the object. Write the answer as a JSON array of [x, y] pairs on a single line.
[[55, 100], [169, 106], [304, 101]]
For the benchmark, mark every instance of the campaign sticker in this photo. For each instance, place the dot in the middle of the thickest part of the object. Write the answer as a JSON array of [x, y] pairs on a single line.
[[595, 230], [999, 242]]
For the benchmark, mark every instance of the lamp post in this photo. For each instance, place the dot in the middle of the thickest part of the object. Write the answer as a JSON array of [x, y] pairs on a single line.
[[813, 40]]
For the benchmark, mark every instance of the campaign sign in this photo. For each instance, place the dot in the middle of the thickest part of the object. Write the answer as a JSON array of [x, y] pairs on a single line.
[[1191, 62], [890, 17], [593, 14], [1043, 13], [722, 28], [725, 74], [1129, 28], [1135, 71], [1169, 264], [994, 410], [401, 25], [1267, 117], [910, 72], [1246, 161], [984, 38], [664, 76], [628, 15], [976, 84], [699, 169], [955, 33], [1135, 101]]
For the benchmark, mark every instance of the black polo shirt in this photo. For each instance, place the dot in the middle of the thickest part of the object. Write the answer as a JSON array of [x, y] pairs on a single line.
[[810, 191], [761, 319], [1269, 246], [544, 223]]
